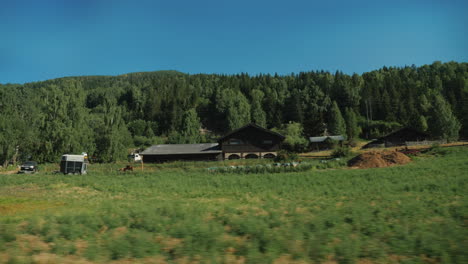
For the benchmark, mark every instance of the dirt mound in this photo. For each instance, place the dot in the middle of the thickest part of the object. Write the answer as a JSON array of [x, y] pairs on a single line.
[[375, 159]]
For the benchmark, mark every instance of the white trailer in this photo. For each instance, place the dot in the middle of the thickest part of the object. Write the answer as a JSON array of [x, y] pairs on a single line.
[[73, 164], [134, 157]]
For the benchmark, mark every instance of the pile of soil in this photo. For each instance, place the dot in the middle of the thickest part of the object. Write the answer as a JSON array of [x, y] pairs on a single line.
[[375, 159]]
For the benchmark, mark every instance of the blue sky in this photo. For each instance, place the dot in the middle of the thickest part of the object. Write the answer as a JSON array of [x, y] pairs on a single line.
[[44, 39]]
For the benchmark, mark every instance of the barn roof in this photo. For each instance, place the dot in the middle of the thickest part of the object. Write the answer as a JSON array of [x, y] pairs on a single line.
[[405, 132], [170, 149], [252, 125], [400, 135], [323, 138]]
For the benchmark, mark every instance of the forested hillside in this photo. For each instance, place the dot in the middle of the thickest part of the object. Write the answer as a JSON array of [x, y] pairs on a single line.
[[106, 115]]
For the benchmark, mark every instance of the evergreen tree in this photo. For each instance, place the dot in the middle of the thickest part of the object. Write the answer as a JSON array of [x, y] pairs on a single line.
[[386, 108], [422, 124], [258, 115], [352, 128], [190, 129], [149, 131], [317, 103], [336, 123], [442, 123], [294, 108], [234, 109], [112, 136]]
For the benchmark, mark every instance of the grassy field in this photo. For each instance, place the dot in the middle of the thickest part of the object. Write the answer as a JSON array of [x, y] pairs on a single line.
[[181, 213]]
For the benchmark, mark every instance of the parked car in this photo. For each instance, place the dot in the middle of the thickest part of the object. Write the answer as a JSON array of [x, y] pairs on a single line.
[[29, 167]]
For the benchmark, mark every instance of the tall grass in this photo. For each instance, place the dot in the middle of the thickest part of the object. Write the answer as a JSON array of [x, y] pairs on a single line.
[[181, 213]]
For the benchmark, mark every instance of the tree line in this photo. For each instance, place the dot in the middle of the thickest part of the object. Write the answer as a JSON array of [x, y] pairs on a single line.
[[106, 116]]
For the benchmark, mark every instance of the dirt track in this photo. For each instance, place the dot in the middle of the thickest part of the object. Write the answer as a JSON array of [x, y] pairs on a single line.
[[8, 172]]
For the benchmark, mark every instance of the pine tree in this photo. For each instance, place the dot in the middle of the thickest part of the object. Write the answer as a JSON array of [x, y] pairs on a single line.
[[190, 129], [422, 123], [317, 103], [442, 123], [258, 115], [352, 128], [336, 123], [294, 108], [233, 108]]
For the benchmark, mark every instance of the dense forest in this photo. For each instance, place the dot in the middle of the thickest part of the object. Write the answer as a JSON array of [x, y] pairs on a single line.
[[106, 116]]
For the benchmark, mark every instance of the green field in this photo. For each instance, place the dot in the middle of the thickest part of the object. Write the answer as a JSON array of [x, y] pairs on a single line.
[[181, 213]]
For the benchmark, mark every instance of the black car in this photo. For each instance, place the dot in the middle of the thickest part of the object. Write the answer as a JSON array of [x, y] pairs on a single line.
[[29, 167]]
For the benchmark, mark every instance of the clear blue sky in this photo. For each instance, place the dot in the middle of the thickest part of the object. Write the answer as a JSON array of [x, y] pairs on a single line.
[[43, 39]]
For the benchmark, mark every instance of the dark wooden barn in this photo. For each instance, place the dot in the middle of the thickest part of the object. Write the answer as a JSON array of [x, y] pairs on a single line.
[[250, 142], [173, 152], [399, 138]]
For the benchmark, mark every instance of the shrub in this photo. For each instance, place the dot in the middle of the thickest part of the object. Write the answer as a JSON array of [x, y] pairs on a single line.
[[437, 150], [141, 141], [284, 156], [340, 152], [352, 143]]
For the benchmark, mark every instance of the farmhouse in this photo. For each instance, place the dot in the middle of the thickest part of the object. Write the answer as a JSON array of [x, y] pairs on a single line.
[[400, 137], [248, 142]]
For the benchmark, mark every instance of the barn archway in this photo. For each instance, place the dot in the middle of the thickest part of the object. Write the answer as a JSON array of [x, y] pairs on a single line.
[[233, 157], [269, 156], [251, 156]]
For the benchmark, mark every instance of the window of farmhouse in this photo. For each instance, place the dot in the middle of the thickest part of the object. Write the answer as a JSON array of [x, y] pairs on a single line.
[[235, 141]]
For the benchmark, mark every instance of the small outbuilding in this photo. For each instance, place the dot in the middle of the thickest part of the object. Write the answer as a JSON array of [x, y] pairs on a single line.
[[325, 142]]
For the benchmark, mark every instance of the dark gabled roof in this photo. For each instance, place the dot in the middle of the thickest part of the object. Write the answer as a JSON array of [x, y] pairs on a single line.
[[322, 139], [400, 133], [403, 131], [254, 126], [171, 149]]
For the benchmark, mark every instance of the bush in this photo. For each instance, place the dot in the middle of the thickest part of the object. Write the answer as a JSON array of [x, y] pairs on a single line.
[[352, 143], [437, 150], [141, 141], [284, 156], [340, 152]]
